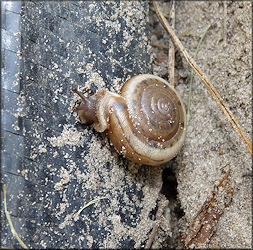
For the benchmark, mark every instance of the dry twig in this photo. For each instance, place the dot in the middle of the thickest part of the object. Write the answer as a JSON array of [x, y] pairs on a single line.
[[76, 215], [204, 224], [171, 53], [14, 232], [225, 5], [203, 78], [191, 77]]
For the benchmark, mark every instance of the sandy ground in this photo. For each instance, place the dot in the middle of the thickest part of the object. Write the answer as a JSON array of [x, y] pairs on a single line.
[[212, 146]]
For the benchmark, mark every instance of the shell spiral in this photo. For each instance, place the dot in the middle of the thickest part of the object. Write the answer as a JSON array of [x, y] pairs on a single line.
[[156, 127]]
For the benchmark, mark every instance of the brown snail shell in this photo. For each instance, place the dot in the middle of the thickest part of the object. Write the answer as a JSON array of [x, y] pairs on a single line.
[[146, 123]]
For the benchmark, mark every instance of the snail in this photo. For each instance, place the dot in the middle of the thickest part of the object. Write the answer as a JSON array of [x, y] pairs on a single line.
[[146, 123]]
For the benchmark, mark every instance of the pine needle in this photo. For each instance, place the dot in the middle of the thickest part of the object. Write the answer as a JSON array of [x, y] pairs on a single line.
[[191, 77], [203, 78], [14, 232]]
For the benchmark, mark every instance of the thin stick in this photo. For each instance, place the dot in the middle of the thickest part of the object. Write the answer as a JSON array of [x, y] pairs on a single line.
[[225, 5], [191, 77], [171, 53], [88, 204], [152, 236], [14, 232], [203, 78]]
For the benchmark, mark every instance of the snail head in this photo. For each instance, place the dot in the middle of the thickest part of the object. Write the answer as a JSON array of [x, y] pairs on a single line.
[[87, 109]]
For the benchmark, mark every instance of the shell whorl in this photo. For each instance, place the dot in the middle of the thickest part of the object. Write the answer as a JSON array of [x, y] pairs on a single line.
[[156, 127]]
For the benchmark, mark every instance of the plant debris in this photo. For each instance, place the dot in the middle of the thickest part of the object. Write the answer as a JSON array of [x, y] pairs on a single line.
[[204, 224]]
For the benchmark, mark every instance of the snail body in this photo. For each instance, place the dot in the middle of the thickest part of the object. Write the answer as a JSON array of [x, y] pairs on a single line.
[[146, 123]]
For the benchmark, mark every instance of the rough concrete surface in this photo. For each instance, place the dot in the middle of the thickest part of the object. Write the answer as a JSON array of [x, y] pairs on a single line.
[[53, 166]]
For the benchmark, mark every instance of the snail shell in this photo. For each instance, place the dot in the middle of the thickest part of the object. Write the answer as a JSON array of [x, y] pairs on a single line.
[[146, 123]]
